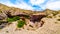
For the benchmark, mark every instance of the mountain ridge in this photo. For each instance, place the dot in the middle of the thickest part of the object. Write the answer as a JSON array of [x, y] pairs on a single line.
[[15, 10]]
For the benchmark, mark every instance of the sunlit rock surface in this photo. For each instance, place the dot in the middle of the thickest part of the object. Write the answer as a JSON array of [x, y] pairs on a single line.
[[51, 22]]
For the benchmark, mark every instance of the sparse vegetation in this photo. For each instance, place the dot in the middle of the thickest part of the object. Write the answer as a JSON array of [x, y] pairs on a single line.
[[58, 19], [20, 23], [0, 11], [49, 16], [56, 22], [21, 15], [54, 13], [27, 16], [31, 26], [13, 19]]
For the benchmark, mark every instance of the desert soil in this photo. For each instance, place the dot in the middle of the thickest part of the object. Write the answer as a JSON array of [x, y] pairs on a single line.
[[50, 27]]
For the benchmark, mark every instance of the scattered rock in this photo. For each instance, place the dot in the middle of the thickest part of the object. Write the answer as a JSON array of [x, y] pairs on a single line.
[[3, 24], [2, 16]]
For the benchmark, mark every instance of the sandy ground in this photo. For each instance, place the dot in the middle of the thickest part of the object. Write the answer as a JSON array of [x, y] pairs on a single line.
[[50, 27]]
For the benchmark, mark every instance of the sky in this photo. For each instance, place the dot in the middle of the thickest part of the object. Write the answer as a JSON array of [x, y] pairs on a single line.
[[37, 5]]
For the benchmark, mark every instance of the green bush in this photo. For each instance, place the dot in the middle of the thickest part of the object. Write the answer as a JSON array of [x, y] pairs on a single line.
[[20, 24], [13, 19], [16, 18]]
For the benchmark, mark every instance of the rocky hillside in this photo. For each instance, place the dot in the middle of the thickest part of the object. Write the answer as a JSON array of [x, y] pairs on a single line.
[[24, 17]]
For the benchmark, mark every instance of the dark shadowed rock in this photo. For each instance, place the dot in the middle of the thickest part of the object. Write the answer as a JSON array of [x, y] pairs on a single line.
[[36, 18], [3, 24]]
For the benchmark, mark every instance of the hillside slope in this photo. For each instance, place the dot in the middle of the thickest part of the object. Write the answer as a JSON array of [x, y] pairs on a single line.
[[20, 21]]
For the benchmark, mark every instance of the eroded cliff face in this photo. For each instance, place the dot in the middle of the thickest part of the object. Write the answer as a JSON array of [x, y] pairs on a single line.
[[10, 14], [16, 19]]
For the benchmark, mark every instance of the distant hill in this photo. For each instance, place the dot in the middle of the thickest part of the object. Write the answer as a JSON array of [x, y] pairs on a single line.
[[15, 10], [8, 15]]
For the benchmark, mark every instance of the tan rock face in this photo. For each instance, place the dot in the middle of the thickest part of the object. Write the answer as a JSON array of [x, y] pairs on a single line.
[[3, 16], [50, 25]]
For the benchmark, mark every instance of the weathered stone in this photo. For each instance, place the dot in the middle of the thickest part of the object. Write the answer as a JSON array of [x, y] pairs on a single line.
[[3, 16], [36, 18], [3, 24]]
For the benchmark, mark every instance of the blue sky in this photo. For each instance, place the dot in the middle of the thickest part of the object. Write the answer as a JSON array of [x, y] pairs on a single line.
[[37, 5]]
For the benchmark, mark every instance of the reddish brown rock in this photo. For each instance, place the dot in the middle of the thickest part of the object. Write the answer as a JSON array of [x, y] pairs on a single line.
[[36, 18]]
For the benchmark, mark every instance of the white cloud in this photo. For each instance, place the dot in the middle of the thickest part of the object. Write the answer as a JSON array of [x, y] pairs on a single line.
[[50, 4], [36, 2], [7, 2], [53, 5], [24, 6], [21, 5]]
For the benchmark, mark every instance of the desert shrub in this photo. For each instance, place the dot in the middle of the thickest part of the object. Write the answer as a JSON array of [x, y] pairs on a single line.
[[56, 22], [54, 13], [58, 19], [13, 19], [49, 16], [27, 16], [0, 11], [20, 23]]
